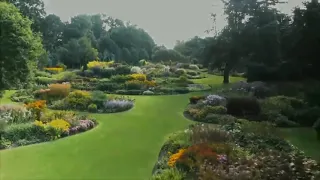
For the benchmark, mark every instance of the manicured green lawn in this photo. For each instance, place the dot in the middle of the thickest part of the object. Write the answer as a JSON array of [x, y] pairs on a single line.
[[123, 146], [305, 139]]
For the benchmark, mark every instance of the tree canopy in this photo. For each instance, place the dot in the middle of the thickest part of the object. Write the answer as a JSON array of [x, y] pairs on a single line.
[[20, 47]]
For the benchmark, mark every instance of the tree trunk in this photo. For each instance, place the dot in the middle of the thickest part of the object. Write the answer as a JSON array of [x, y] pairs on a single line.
[[226, 74]]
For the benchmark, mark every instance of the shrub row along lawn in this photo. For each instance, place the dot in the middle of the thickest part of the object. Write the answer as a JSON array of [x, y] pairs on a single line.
[[123, 145]]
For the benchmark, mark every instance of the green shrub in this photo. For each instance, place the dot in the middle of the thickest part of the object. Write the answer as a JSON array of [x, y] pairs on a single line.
[[88, 73], [92, 108], [216, 109], [316, 126], [307, 117], [28, 131], [180, 72], [123, 70], [67, 76], [278, 119], [134, 85], [192, 73], [243, 106], [218, 119], [107, 72], [42, 74], [120, 78], [98, 98], [148, 93], [107, 86], [129, 92], [78, 100], [193, 67], [172, 174], [45, 80], [61, 65]]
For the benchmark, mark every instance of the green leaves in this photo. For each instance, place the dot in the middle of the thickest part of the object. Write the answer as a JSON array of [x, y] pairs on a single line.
[[20, 47]]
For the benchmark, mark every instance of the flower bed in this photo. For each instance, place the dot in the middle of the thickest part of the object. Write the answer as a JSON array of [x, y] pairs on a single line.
[[29, 124], [95, 102], [282, 111], [235, 149]]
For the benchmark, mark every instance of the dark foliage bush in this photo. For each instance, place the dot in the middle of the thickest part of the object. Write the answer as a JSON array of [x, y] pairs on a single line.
[[107, 86], [312, 95], [88, 73], [107, 72], [120, 78], [307, 117], [283, 72], [129, 92], [243, 106], [278, 119], [316, 126], [123, 70]]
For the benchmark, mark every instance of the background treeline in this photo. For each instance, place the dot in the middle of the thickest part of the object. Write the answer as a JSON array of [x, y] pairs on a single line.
[[258, 40], [45, 40], [262, 41]]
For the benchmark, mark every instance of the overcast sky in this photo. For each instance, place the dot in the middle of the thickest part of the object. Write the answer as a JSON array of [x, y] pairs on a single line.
[[165, 20]]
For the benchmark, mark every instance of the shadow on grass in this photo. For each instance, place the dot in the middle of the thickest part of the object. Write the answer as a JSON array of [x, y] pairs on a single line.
[[305, 139]]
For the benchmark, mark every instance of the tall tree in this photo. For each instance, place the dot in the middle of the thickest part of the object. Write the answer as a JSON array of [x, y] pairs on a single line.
[[33, 9], [52, 29], [19, 47], [77, 52]]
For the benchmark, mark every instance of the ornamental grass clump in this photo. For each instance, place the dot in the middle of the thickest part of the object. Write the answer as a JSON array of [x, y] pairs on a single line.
[[11, 114]]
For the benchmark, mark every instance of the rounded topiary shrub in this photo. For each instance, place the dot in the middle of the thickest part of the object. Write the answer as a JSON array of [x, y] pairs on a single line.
[[180, 72], [92, 108], [193, 67]]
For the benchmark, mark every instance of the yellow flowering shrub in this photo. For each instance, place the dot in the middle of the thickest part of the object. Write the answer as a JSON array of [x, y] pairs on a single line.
[[54, 70], [150, 83], [139, 77], [39, 123], [54, 129], [100, 64], [78, 99], [174, 157], [60, 124]]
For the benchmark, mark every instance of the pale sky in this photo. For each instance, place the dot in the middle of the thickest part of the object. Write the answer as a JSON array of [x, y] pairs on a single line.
[[165, 20]]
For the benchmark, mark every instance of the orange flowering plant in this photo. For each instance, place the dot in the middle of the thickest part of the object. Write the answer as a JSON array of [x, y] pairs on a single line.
[[36, 107]]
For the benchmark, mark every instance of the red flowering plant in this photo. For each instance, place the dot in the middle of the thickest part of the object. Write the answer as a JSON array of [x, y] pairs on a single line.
[[195, 155]]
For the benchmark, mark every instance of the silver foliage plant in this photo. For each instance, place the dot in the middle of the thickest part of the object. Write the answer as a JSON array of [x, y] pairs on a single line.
[[215, 100]]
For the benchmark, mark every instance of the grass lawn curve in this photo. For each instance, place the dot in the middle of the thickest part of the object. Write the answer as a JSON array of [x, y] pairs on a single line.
[[123, 145]]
